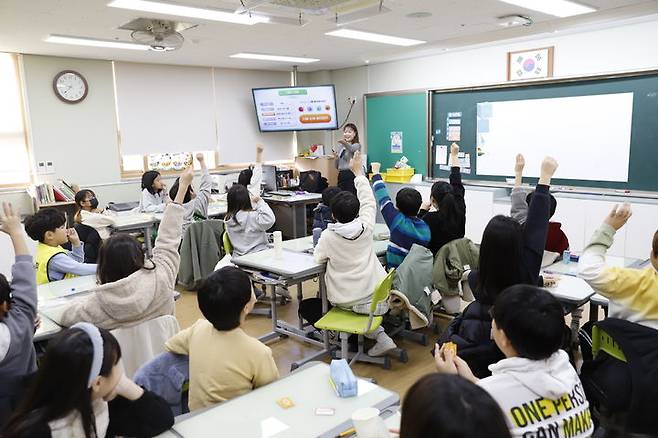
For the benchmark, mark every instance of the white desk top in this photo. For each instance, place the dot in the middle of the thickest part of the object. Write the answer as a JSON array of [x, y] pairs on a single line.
[[65, 288], [571, 289], [290, 264], [133, 220], [296, 198], [571, 268], [305, 244], [256, 414]]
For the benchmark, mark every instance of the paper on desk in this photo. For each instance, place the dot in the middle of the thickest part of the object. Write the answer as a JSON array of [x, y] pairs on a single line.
[[365, 387], [271, 426]]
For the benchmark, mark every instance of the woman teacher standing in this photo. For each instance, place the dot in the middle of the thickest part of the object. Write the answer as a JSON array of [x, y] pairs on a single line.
[[344, 151]]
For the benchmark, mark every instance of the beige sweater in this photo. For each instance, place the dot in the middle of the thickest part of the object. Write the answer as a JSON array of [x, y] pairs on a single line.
[[223, 364], [353, 269], [143, 295]]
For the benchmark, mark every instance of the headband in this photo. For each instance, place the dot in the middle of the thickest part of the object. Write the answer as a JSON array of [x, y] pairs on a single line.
[[97, 343]]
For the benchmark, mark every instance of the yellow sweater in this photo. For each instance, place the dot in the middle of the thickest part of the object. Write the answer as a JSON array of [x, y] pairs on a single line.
[[633, 293], [223, 364]]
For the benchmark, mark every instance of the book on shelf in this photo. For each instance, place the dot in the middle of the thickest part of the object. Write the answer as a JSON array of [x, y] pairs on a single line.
[[49, 194]]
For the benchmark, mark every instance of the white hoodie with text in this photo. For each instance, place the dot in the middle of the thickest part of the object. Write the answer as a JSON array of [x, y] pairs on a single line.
[[540, 398]]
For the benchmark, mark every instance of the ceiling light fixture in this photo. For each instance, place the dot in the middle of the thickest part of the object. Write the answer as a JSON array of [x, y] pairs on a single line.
[[558, 8], [374, 37], [188, 11], [276, 58], [92, 42]]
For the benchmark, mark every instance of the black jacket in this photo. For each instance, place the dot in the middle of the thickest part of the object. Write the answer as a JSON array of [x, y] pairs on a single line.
[[630, 387], [444, 231], [471, 330], [147, 416]]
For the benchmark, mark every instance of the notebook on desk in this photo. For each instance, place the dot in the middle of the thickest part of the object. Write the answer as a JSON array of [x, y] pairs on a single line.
[[280, 193]]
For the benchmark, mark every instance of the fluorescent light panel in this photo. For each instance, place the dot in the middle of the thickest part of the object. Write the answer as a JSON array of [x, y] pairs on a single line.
[[559, 8], [276, 58], [374, 37], [188, 11], [91, 42]]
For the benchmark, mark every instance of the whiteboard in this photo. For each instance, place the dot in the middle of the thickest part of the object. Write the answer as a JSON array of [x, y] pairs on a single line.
[[589, 136]]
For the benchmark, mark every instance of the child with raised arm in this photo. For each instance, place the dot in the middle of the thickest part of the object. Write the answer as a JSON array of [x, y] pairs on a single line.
[[18, 311], [633, 293], [53, 262], [353, 270], [195, 204], [556, 240]]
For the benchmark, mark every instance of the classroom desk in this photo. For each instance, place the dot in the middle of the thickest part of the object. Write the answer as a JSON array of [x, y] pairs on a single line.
[[256, 414], [296, 265], [292, 208], [137, 222]]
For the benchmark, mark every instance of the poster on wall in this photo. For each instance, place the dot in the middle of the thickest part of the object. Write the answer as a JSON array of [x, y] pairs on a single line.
[[530, 64], [396, 142]]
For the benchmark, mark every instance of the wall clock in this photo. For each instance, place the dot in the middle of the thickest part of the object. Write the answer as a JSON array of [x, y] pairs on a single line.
[[70, 86]]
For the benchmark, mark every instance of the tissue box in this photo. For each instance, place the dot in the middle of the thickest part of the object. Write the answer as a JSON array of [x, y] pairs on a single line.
[[342, 378]]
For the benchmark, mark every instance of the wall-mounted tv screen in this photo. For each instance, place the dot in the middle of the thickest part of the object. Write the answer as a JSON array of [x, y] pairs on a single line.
[[295, 108]]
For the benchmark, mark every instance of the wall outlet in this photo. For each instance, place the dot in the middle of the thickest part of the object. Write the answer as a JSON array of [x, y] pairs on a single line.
[[351, 100], [50, 168], [41, 168]]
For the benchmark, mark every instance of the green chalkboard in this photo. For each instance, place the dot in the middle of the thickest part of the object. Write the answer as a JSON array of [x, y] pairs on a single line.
[[406, 113], [643, 164]]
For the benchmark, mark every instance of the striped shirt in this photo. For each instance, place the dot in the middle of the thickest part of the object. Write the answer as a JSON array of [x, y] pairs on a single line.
[[405, 230]]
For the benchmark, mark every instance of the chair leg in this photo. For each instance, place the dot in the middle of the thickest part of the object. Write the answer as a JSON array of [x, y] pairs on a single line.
[[344, 352], [362, 356]]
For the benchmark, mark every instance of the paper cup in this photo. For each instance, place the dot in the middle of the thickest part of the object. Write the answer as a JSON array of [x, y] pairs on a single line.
[[369, 424]]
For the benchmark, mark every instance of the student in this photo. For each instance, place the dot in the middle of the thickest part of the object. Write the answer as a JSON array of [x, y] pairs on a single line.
[[535, 385], [225, 362], [18, 311], [353, 270], [322, 213], [81, 391], [247, 219], [132, 290], [252, 177], [195, 205], [443, 405], [509, 255], [633, 293], [154, 193], [448, 222], [556, 240], [53, 262], [405, 226], [344, 151], [89, 214]]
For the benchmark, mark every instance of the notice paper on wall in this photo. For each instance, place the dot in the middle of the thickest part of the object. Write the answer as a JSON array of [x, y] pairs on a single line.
[[396, 142], [454, 133], [441, 154]]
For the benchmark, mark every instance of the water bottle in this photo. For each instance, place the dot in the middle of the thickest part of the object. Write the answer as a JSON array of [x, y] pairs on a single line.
[[316, 236], [566, 257], [278, 243]]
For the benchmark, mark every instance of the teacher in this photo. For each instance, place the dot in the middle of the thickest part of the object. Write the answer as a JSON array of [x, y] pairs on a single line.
[[344, 152]]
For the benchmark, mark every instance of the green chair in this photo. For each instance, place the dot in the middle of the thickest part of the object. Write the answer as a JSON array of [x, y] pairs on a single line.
[[226, 242], [346, 323], [603, 341]]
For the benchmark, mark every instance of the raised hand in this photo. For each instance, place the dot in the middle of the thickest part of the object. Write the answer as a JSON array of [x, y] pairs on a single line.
[[200, 157], [187, 176], [520, 164], [10, 221], [376, 167], [548, 167], [618, 217], [356, 164]]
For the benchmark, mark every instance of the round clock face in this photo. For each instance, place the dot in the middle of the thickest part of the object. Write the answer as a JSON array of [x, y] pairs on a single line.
[[70, 86]]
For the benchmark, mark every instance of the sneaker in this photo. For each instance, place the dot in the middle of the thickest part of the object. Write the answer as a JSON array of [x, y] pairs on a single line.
[[283, 291], [382, 347]]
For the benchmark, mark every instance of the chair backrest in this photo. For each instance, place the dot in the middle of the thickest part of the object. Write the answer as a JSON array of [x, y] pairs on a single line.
[[601, 340], [226, 242], [142, 342]]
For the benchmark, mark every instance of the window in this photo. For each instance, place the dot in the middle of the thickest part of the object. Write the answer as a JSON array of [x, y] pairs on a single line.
[[15, 163]]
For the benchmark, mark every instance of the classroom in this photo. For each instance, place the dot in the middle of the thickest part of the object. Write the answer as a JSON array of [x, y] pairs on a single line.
[[329, 218]]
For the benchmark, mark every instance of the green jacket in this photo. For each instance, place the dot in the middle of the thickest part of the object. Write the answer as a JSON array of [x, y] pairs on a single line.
[[450, 262], [412, 277], [200, 251]]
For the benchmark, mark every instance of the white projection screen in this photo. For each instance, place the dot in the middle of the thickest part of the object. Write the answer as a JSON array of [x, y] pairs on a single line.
[[590, 136]]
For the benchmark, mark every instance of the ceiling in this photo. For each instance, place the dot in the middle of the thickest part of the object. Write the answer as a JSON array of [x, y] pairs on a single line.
[[453, 24]]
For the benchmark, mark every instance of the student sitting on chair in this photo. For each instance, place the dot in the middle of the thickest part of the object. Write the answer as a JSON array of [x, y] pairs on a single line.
[[133, 290], [448, 222], [18, 311], [633, 293], [154, 193], [225, 362], [53, 262], [322, 213], [247, 219], [444, 405], [353, 270], [89, 214], [535, 385], [195, 204], [81, 391], [403, 222], [556, 240], [509, 254]]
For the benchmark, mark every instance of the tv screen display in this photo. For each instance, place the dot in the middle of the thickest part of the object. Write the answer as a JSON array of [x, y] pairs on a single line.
[[295, 108]]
